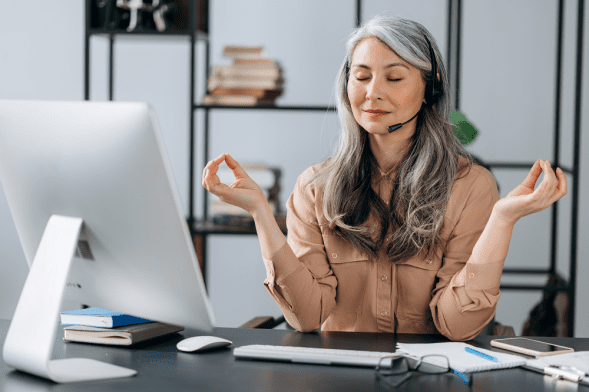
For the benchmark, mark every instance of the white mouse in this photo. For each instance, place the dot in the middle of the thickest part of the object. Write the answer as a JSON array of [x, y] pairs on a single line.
[[201, 343]]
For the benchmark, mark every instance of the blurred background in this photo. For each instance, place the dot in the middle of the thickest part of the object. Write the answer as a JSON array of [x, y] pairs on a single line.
[[507, 91]]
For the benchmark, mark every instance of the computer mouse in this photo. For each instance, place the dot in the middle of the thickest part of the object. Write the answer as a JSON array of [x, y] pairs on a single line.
[[202, 343]]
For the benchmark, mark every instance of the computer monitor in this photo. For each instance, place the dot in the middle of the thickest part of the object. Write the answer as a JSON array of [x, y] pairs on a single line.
[[92, 195]]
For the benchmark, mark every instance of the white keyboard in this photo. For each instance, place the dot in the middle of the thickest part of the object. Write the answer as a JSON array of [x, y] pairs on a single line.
[[322, 356]]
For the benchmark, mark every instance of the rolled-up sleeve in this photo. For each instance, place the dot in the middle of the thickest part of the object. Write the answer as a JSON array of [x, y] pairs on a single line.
[[299, 277], [463, 319]]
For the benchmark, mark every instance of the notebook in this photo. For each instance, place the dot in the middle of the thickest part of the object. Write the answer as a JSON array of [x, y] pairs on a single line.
[[459, 358], [99, 317], [120, 336]]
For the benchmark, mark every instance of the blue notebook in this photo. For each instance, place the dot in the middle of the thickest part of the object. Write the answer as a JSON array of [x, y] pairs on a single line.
[[98, 317]]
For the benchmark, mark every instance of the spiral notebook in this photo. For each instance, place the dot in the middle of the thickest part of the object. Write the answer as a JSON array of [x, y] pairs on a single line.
[[460, 359]]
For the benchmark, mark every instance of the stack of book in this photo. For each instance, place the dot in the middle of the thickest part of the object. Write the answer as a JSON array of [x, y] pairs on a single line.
[[267, 178], [102, 326], [252, 80]]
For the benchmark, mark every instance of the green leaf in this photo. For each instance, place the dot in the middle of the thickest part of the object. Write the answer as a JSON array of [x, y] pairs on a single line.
[[464, 131]]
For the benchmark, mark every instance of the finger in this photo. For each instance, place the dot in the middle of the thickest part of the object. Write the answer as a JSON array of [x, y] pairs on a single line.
[[533, 175], [213, 165], [213, 184], [209, 177], [550, 182], [562, 185], [216, 162], [238, 171]]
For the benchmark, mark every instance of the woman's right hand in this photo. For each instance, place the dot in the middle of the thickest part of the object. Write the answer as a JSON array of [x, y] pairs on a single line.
[[243, 193]]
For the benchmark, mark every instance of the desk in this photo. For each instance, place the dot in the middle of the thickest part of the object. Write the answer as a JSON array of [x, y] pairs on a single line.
[[161, 367]]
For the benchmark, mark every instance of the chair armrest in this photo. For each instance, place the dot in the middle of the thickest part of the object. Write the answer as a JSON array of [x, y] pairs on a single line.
[[263, 322], [503, 330]]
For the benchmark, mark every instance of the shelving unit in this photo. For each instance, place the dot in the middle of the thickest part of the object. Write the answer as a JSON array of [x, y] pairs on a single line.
[[201, 229], [454, 33]]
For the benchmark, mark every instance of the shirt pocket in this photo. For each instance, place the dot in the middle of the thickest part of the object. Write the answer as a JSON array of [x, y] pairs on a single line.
[[350, 269], [416, 279]]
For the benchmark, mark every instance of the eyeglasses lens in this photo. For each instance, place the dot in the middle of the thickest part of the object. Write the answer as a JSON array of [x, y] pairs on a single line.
[[433, 364]]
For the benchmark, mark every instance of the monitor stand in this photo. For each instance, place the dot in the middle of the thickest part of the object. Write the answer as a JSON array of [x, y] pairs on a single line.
[[30, 339]]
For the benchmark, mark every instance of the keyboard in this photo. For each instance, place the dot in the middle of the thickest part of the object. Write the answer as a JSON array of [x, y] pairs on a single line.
[[321, 356]]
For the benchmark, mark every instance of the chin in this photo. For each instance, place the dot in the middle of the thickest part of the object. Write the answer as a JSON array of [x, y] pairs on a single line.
[[376, 130]]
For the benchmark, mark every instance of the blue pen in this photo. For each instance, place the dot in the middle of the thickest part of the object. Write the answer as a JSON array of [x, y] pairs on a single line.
[[480, 354]]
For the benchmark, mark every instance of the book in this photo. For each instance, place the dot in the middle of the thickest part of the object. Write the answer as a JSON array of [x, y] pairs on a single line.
[[266, 84], [252, 61], [256, 92], [243, 51], [460, 359], [119, 336], [219, 207], [99, 317], [246, 71], [236, 100]]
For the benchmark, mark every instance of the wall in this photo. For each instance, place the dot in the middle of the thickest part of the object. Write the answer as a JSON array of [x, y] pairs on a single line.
[[507, 89]]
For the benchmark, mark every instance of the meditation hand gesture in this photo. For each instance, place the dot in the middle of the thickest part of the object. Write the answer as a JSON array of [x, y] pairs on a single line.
[[243, 193], [524, 200]]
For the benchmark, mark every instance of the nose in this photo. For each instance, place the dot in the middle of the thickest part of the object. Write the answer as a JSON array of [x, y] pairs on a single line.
[[374, 89]]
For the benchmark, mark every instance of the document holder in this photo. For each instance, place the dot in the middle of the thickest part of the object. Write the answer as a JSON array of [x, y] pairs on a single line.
[[30, 339]]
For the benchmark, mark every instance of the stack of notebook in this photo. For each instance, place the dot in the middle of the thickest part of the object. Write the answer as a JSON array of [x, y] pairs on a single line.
[[102, 326]]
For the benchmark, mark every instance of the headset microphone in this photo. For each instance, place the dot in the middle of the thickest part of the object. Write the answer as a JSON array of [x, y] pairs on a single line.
[[393, 128]]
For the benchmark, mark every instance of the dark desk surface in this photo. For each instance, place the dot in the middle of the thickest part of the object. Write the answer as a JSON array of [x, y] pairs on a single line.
[[161, 367]]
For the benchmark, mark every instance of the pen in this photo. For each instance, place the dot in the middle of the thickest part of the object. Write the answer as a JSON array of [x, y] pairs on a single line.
[[480, 354]]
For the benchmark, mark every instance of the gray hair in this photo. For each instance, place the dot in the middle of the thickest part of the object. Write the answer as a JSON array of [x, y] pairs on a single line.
[[426, 169]]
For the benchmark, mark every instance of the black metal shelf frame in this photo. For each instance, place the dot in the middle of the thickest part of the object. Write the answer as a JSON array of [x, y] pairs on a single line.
[[205, 227], [454, 33]]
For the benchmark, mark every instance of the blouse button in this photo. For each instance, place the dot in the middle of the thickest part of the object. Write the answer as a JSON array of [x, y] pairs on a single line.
[[334, 255], [471, 275], [384, 278], [383, 313]]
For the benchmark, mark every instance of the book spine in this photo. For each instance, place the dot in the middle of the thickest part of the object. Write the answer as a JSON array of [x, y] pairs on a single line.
[[245, 83]]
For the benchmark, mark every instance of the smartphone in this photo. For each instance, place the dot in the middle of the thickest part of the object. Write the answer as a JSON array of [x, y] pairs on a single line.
[[531, 347]]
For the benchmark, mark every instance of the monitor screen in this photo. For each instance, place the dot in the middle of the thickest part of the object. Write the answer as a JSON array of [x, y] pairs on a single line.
[[106, 163]]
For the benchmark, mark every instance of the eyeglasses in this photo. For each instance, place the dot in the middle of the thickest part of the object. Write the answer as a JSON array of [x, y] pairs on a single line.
[[393, 370]]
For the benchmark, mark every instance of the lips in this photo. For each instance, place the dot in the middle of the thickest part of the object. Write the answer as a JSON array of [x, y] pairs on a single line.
[[376, 112]]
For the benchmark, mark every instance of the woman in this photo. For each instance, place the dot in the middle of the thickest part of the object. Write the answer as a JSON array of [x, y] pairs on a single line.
[[399, 231]]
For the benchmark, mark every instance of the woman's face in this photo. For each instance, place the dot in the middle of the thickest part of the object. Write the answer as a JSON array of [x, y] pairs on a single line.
[[383, 88]]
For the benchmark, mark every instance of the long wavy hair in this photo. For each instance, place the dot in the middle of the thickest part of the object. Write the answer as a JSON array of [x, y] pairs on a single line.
[[426, 169]]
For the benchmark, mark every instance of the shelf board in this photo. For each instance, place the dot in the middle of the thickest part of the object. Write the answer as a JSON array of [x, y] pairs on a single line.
[[201, 227], [527, 271], [546, 288], [201, 36], [291, 107], [519, 165]]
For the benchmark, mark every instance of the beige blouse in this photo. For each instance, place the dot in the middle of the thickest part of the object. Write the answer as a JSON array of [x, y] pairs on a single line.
[[320, 280]]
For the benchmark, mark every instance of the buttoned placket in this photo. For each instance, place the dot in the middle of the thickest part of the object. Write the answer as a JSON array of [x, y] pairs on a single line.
[[384, 269]]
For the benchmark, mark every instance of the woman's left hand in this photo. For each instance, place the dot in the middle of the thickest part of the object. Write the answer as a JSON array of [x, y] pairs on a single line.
[[524, 200]]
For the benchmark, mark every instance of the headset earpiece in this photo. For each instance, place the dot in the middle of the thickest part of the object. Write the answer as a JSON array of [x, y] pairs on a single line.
[[434, 87]]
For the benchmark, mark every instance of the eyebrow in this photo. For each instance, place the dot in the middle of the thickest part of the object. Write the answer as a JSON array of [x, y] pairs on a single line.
[[388, 66]]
